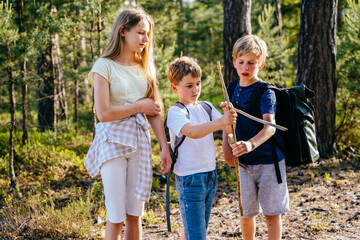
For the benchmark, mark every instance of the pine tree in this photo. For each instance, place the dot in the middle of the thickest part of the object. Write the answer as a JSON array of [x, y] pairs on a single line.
[[8, 37], [317, 65]]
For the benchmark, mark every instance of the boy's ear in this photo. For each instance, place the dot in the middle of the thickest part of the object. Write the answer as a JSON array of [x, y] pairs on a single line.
[[262, 65], [173, 87]]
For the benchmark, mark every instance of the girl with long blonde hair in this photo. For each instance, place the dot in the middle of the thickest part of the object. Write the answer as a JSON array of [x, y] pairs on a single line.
[[126, 101]]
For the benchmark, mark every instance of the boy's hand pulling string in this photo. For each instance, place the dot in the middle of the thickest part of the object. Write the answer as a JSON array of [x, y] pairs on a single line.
[[237, 164]]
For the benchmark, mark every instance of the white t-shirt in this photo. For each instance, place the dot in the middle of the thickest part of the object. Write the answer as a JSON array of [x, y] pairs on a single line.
[[127, 83], [195, 155]]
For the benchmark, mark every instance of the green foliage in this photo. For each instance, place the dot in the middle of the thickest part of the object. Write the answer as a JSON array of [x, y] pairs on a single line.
[[8, 35], [228, 175], [278, 69], [38, 215], [349, 49], [348, 74], [163, 57]]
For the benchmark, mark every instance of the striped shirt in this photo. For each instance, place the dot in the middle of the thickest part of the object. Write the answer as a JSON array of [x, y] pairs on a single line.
[[118, 139]]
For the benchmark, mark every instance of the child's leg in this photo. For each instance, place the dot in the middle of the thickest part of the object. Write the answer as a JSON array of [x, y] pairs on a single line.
[[248, 228], [183, 235], [274, 198], [208, 201], [210, 195], [274, 227], [114, 191], [134, 207], [133, 227], [113, 230], [192, 190], [119, 177]]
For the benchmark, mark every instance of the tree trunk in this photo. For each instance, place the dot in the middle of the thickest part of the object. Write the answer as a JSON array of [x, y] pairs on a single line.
[[76, 66], [317, 64], [237, 23], [60, 99], [181, 4], [47, 92], [99, 29], [12, 115], [92, 30], [85, 92], [278, 17], [24, 87]]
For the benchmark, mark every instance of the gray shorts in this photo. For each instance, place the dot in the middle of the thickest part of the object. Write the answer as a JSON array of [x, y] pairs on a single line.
[[262, 192]]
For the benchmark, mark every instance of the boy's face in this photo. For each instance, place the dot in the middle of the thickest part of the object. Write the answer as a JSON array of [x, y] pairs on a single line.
[[188, 89], [247, 67]]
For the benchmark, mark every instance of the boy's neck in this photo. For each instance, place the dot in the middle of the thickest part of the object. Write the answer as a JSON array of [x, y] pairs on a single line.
[[248, 82], [188, 103]]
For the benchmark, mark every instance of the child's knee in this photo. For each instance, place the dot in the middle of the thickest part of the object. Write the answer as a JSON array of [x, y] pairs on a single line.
[[131, 218]]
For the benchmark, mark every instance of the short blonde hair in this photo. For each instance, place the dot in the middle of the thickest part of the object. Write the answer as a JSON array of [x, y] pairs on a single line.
[[250, 44], [181, 67]]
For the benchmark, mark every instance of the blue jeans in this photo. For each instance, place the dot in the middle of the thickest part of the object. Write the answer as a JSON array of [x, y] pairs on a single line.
[[196, 193]]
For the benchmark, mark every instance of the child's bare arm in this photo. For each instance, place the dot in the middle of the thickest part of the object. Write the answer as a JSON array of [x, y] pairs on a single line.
[[158, 128], [106, 112], [203, 129], [243, 147]]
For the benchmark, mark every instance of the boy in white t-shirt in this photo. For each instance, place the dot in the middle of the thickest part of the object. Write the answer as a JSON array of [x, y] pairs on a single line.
[[195, 167]]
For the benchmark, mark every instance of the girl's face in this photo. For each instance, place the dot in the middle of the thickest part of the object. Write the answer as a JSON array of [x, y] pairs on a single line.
[[188, 89], [247, 67], [137, 38]]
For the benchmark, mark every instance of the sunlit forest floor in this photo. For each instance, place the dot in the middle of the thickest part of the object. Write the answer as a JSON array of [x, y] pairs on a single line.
[[324, 202], [56, 198]]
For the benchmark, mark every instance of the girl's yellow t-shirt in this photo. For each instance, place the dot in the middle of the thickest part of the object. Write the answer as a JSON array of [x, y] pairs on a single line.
[[127, 83]]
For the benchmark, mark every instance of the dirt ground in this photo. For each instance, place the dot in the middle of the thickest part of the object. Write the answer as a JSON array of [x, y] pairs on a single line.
[[324, 204]]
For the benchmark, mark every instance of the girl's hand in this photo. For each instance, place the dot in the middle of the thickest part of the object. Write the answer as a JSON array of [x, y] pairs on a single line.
[[149, 106], [165, 161], [241, 148]]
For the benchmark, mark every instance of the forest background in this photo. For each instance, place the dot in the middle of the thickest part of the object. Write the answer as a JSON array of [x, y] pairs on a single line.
[[46, 109]]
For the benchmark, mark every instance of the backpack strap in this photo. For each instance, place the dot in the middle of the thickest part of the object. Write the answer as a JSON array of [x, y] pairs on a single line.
[[178, 140], [231, 88], [173, 155], [207, 108], [255, 99]]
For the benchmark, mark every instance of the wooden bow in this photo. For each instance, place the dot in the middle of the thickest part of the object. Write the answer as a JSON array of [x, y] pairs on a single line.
[[233, 140]]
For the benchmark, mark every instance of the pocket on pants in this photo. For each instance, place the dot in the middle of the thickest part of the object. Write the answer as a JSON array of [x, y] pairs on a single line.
[[187, 181]]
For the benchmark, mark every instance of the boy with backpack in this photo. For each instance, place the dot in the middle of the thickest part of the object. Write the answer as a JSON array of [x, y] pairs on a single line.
[[195, 167], [263, 191]]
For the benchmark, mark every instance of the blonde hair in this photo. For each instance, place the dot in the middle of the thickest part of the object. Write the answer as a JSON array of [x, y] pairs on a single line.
[[250, 44], [181, 67], [128, 19]]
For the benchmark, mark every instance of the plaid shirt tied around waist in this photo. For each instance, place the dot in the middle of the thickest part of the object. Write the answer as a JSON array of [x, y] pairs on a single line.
[[121, 138]]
